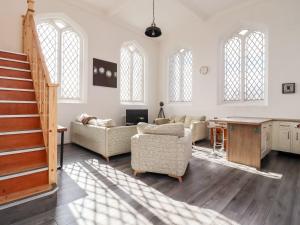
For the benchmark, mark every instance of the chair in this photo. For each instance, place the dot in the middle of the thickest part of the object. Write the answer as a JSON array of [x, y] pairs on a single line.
[[165, 154], [222, 127]]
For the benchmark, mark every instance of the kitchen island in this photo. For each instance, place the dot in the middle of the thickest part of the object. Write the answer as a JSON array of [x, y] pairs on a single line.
[[249, 139]]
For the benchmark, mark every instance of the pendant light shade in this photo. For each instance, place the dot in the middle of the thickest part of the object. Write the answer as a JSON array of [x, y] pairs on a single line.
[[153, 31]]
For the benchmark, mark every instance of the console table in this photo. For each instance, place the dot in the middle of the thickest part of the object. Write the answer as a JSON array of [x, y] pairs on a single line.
[[61, 130]]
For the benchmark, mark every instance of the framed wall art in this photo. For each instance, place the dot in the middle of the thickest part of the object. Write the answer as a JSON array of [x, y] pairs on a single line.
[[288, 88], [105, 73]]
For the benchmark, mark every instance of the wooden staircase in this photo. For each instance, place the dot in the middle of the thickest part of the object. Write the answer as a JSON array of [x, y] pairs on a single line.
[[28, 125], [23, 156]]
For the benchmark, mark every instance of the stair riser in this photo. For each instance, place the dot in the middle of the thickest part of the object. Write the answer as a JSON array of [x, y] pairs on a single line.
[[17, 95], [24, 161], [4, 83], [22, 183], [20, 141], [18, 108], [17, 124], [14, 73], [14, 56], [13, 64]]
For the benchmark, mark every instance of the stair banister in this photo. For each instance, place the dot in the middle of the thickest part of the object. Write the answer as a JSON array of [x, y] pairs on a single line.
[[46, 91]]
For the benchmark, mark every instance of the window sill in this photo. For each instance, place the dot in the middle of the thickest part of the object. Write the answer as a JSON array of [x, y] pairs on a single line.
[[134, 103], [69, 101], [245, 104], [180, 103]]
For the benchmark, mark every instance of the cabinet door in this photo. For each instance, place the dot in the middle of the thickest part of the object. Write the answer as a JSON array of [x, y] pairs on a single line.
[[264, 140], [284, 139], [296, 140]]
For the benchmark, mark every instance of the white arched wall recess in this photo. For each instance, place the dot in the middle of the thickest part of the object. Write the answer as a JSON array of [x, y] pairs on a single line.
[[67, 28]]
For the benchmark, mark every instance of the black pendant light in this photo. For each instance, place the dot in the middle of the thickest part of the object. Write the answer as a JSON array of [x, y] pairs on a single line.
[[153, 31]]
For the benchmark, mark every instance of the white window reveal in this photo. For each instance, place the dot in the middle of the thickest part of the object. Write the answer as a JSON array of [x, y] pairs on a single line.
[[245, 67], [62, 49], [180, 76], [132, 72]]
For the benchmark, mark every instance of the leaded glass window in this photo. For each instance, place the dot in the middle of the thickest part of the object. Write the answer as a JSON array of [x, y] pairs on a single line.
[[180, 76], [62, 49]]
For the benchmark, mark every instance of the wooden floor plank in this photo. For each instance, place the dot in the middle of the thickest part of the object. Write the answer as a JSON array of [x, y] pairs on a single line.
[[226, 195]]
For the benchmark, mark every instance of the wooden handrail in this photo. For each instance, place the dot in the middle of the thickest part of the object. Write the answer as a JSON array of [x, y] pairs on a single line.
[[45, 90]]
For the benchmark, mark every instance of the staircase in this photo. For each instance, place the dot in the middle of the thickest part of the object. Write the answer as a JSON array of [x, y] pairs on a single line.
[[23, 156], [28, 129]]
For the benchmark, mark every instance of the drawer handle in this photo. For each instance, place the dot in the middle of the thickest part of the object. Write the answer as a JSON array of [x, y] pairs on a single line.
[[289, 135], [297, 138]]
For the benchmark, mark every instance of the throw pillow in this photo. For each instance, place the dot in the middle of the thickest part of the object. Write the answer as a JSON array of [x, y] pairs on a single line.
[[175, 129]]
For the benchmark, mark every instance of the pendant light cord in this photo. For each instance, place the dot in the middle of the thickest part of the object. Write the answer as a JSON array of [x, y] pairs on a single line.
[[153, 12]]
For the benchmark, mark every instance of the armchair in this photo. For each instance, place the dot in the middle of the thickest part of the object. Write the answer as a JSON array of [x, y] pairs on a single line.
[[165, 154]]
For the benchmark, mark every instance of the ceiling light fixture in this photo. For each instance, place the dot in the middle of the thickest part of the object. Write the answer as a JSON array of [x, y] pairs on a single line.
[[153, 31]]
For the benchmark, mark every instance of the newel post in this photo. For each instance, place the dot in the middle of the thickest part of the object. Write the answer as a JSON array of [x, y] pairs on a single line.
[[30, 4]]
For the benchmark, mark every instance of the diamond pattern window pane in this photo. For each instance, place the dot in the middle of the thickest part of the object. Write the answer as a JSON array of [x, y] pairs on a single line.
[[61, 47], [48, 37], [233, 69], [132, 74], [180, 77], [137, 77], [254, 66], [125, 75], [70, 73]]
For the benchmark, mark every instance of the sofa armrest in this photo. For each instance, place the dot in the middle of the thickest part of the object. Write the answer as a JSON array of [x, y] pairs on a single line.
[[198, 129], [160, 121], [118, 139]]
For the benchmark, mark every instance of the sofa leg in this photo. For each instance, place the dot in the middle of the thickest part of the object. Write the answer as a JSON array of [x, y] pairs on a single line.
[[136, 172], [179, 178], [107, 159]]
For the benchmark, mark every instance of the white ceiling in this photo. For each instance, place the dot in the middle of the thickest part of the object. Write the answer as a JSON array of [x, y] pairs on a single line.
[[169, 13]]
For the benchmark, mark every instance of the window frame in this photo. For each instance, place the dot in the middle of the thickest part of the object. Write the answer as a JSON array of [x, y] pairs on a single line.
[[141, 52], [70, 26], [242, 101], [180, 102]]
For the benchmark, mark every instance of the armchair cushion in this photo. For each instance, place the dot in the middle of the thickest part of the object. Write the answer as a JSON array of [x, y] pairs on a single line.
[[172, 129], [177, 119], [189, 119]]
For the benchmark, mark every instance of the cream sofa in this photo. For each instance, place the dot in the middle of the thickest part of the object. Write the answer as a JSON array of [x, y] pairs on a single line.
[[105, 141], [197, 125], [161, 153]]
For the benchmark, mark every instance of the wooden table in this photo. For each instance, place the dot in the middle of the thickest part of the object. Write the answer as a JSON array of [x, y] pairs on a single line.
[[244, 140], [61, 130]]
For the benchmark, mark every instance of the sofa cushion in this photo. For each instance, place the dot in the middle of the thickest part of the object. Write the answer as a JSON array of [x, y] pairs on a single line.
[[189, 119], [177, 119], [172, 129], [81, 117], [102, 122]]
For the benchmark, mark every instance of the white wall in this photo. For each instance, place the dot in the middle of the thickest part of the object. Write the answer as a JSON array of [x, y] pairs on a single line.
[[104, 42], [282, 21]]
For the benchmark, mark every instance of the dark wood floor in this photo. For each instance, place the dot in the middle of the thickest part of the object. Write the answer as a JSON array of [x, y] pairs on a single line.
[[94, 192]]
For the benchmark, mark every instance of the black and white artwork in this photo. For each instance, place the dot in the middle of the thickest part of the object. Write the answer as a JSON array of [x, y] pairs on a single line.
[[105, 73], [288, 88]]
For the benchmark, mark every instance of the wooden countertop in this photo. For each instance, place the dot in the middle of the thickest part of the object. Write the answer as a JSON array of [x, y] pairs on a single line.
[[242, 120]]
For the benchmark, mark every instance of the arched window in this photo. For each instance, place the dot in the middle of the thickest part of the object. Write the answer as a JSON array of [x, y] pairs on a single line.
[[245, 67], [132, 74], [62, 48], [181, 76]]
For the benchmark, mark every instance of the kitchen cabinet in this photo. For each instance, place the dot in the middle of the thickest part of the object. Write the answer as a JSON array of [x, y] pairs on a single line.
[[286, 137]]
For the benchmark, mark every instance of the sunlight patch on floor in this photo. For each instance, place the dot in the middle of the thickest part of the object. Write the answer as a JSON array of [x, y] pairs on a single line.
[[162, 206], [102, 205], [205, 154]]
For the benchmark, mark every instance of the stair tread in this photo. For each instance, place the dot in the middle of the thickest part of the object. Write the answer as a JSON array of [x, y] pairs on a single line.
[[27, 131], [14, 60], [25, 193], [22, 150], [22, 168]]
